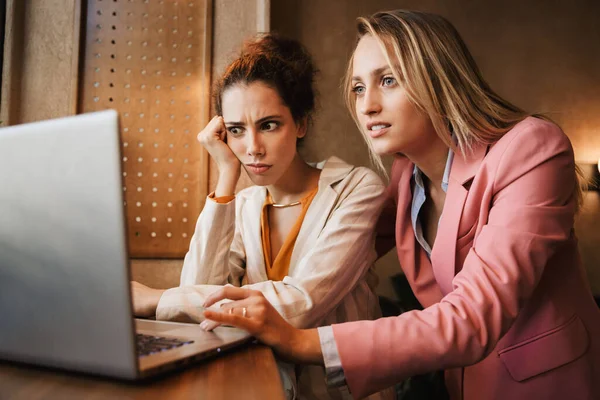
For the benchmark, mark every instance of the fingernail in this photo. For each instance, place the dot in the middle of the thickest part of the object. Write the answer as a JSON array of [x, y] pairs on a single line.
[[203, 325]]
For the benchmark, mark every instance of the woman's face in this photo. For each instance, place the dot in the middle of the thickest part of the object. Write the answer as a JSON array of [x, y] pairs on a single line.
[[387, 117], [260, 131]]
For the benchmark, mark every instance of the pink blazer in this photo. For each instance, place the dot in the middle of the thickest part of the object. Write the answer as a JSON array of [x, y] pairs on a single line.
[[509, 313]]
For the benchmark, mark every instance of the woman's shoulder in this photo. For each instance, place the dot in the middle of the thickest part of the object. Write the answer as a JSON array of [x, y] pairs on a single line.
[[251, 192], [533, 134], [336, 171], [365, 176], [531, 143]]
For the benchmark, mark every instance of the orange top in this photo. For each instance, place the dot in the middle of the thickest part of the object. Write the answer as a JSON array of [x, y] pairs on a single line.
[[281, 263], [221, 199]]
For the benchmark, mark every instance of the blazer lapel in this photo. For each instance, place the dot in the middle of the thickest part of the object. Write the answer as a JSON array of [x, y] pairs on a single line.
[[413, 258], [252, 236], [443, 254], [320, 209]]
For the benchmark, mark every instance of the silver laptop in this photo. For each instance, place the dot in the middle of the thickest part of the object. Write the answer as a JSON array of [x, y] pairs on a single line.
[[65, 297]]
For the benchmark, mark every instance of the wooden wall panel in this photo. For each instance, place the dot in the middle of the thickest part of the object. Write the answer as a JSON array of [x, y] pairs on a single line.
[[150, 60], [41, 56], [12, 63]]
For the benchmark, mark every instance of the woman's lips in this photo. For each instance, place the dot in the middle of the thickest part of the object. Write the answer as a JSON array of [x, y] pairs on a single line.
[[377, 133], [376, 129], [258, 168]]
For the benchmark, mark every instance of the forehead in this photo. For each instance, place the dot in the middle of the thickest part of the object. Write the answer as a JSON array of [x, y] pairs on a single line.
[[254, 100], [368, 57]]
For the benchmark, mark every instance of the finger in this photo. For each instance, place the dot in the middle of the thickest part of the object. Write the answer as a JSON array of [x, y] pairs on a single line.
[[209, 325], [216, 124], [227, 292], [238, 321], [240, 307], [223, 134], [216, 121], [212, 124]]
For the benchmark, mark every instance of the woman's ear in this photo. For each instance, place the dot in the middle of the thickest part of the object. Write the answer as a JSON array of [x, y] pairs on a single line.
[[302, 128]]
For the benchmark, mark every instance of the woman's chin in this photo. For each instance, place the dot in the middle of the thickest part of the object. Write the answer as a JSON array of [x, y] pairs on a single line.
[[383, 149], [259, 180]]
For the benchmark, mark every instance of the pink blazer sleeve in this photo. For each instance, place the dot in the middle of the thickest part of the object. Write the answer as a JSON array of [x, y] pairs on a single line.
[[530, 216]]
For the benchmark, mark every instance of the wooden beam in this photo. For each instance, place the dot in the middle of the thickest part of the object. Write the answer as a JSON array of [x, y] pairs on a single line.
[[13, 62]]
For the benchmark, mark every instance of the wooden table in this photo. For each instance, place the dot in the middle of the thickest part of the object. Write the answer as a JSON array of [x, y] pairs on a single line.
[[249, 372]]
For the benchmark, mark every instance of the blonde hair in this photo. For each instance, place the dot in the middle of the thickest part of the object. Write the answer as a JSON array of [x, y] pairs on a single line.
[[441, 78]]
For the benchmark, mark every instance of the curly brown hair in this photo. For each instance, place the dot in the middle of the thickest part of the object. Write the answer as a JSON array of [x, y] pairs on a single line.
[[280, 63]]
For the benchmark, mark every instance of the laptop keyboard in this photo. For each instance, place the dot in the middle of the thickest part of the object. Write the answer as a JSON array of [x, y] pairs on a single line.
[[148, 344]]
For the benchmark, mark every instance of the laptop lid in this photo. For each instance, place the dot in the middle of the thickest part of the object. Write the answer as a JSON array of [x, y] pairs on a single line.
[[64, 277]]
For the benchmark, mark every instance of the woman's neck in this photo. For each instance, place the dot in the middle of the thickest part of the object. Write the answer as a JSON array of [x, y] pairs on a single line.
[[432, 162], [297, 180]]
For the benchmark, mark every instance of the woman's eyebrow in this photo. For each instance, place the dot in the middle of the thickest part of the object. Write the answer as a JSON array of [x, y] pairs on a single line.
[[375, 72], [263, 119]]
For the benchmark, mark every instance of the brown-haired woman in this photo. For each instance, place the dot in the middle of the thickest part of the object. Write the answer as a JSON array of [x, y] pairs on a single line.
[[303, 236]]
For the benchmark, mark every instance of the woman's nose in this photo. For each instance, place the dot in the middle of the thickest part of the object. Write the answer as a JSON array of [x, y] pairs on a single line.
[[254, 145], [370, 103]]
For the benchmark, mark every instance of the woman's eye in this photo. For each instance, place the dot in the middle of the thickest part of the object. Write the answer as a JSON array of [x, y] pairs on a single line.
[[234, 130], [270, 126], [389, 81], [358, 89]]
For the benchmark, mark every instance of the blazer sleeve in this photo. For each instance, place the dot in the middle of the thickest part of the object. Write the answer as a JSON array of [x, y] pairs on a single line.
[[216, 255], [532, 210], [331, 269]]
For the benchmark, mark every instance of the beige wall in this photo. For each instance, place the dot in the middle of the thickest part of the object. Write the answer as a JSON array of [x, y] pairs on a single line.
[[542, 55]]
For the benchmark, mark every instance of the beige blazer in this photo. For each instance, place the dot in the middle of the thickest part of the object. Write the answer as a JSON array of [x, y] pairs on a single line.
[[331, 277]]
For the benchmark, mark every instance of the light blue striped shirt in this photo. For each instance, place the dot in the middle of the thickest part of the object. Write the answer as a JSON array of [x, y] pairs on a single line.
[[420, 197], [334, 373]]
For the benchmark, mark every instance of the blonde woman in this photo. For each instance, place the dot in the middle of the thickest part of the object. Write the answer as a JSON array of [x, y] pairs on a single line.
[[482, 199]]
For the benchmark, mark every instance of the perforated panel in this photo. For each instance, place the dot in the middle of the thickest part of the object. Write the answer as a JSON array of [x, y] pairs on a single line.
[[149, 60]]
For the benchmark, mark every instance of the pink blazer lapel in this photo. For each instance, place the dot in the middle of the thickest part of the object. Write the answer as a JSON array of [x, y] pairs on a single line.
[[413, 259], [443, 254]]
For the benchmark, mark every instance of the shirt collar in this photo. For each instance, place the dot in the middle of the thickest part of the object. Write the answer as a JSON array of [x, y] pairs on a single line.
[[418, 174]]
